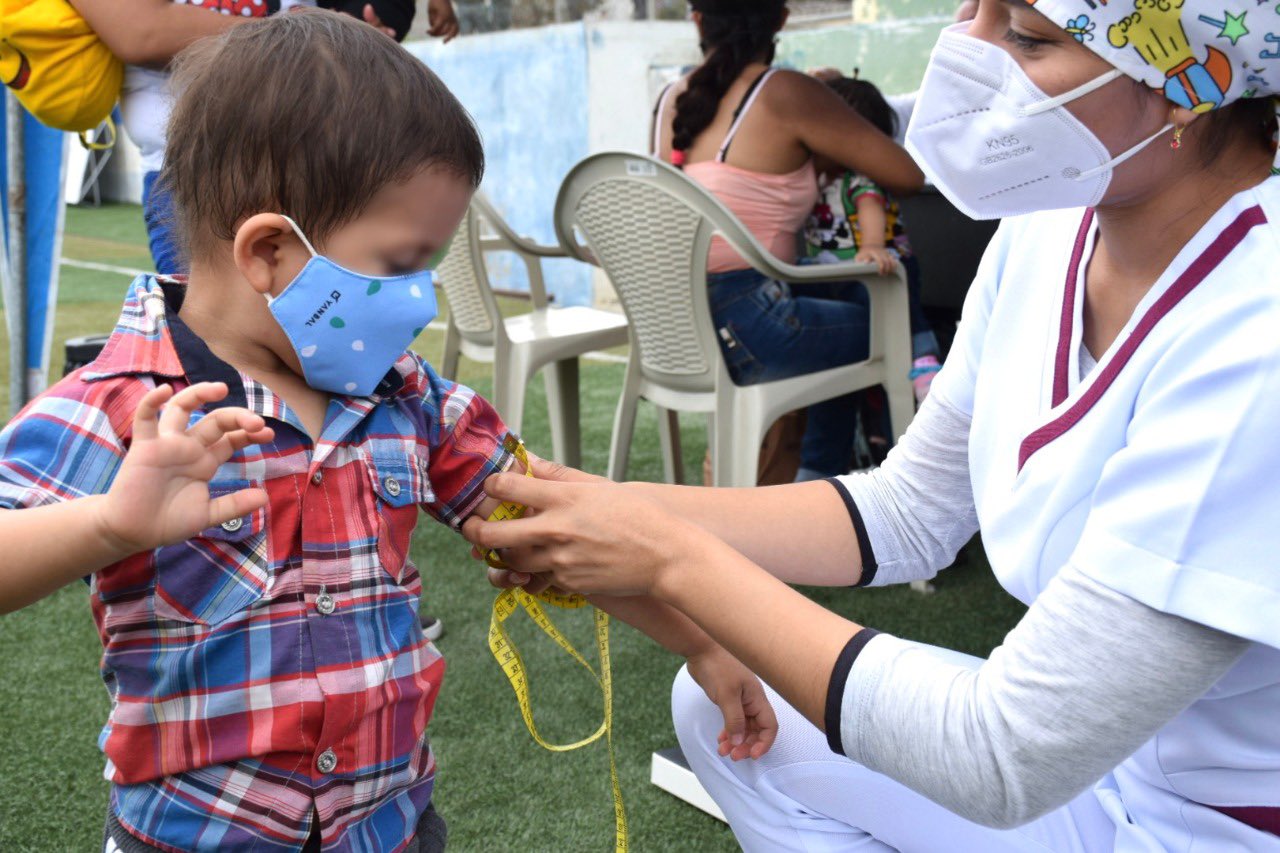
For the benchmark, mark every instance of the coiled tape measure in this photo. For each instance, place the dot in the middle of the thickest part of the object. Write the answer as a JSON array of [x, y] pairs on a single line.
[[508, 656]]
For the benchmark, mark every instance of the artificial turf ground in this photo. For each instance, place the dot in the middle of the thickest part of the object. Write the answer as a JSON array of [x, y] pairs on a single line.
[[497, 789]]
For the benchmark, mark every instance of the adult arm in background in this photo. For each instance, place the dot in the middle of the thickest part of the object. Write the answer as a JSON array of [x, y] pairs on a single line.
[[151, 32], [823, 123]]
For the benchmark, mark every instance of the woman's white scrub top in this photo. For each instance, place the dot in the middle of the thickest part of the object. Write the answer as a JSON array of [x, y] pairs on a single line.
[[1158, 474]]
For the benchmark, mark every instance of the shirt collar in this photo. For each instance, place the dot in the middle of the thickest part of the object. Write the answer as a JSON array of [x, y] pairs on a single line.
[[150, 338]]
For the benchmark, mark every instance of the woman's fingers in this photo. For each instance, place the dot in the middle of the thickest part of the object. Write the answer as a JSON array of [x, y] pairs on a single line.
[[526, 491], [145, 424], [177, 414], [515, 533], [544, 469]]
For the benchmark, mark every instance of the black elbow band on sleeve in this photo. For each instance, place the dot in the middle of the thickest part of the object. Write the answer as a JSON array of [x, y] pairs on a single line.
[[860, 530], [835, 688]]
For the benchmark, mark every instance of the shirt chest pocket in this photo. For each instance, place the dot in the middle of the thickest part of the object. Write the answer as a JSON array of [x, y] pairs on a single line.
[[218, 573], [399, 489]]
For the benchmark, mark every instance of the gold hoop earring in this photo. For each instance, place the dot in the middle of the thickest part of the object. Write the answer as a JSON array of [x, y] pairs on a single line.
[[1177, 138]]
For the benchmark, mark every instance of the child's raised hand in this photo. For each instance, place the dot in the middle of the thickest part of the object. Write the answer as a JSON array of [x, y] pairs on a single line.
[[161, 493], [878, 255], [750, 725]]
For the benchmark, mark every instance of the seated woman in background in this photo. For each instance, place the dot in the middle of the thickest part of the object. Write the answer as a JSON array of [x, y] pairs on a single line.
[[749, 133], [855, 219]]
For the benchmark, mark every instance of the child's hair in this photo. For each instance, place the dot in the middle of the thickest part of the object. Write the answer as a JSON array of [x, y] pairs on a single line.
[[866, 99], [309, 114]]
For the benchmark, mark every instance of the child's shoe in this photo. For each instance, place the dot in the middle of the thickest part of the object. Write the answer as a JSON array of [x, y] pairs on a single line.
[[923, 369]]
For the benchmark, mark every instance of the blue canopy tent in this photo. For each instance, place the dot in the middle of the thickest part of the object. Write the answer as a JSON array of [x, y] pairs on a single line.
[[34, 158]]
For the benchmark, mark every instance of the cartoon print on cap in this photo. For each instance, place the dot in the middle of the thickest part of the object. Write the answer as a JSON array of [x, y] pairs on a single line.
[[1155, 31]]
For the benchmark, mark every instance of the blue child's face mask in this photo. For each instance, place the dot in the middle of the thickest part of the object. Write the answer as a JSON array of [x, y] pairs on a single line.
[[348, 329]]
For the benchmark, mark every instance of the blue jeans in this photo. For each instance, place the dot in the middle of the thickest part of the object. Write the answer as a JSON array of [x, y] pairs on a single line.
[[767, 332], [157, 212]]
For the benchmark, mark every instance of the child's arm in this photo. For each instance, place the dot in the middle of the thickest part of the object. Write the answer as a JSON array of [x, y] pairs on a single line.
[[158, 496], [871, 227]]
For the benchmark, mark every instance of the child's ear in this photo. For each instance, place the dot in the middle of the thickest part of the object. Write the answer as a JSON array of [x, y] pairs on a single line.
[[268, 252]]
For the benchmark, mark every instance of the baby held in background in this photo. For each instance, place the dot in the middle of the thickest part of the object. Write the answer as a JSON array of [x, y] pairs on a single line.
[[856, 220]]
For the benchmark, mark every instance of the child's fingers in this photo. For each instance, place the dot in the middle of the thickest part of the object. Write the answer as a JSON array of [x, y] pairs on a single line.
[[211, 428], [145, 424], [177, 414], [236, 504], [233, 442]]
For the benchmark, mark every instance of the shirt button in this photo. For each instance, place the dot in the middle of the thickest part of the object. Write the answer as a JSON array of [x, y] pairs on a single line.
[[233, 525], [317, 478], [327, 761], [324, 603], [393, 486]]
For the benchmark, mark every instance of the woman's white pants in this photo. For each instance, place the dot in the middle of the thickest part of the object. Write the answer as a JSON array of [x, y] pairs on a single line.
[[802, 796]]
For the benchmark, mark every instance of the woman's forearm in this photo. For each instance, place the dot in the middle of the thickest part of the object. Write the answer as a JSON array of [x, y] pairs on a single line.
[[786, 639], [817, 545], [663, 624]]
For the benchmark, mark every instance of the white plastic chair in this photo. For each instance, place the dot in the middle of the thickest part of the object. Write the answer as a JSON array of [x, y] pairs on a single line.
[[518, 347], [649, 226]]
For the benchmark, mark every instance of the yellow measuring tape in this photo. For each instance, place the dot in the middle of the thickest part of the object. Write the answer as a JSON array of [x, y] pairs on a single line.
[[508, 656]]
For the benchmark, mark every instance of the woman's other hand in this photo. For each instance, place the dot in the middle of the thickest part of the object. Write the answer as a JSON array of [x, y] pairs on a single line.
[[750, 725]]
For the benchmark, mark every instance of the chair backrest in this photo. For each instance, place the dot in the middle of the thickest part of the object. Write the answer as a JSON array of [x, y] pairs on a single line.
[[649, 227], [472, 306]]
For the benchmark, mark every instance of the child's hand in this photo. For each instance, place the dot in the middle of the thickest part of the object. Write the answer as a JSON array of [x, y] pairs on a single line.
[[749, 722], [878, 255], [161, 493]]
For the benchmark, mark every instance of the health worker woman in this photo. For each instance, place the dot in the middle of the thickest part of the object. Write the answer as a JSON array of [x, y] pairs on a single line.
[[1107, 419]]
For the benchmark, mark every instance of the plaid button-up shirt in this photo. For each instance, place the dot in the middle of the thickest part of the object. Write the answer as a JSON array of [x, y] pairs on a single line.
[[270, 670]]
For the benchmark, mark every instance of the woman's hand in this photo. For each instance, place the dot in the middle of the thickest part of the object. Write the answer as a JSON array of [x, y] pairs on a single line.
[[585, 535], [542, 470], [161, 493], [750, 725]]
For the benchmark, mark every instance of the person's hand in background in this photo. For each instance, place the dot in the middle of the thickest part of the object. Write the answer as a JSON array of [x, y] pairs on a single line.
[[442, 21], [371, 18]]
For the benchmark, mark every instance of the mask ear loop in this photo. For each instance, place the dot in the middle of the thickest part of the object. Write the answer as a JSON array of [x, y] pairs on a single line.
[[301, 236], [305, 242], [1078, 92], [1117, 160]]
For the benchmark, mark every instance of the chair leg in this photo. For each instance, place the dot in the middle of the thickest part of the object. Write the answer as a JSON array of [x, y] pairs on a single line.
[[561, 379], [902, 405], [624, 425], [452, 351], [735, 454], [509, 384], [669, 438]]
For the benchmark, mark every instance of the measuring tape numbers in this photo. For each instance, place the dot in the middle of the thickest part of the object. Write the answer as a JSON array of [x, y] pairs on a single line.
[[505, 652]]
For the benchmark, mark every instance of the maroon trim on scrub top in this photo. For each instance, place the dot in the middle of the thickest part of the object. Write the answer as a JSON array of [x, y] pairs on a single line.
[[1062, 359], [1265, 818], [1197, 272]]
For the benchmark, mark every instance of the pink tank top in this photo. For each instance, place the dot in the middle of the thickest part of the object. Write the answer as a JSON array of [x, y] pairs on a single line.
[[772, 207]]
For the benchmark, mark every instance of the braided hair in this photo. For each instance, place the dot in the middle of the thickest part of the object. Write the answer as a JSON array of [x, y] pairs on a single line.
[[734, 35]]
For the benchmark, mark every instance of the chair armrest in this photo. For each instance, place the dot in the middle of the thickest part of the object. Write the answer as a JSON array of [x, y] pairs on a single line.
[[797, 274]]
